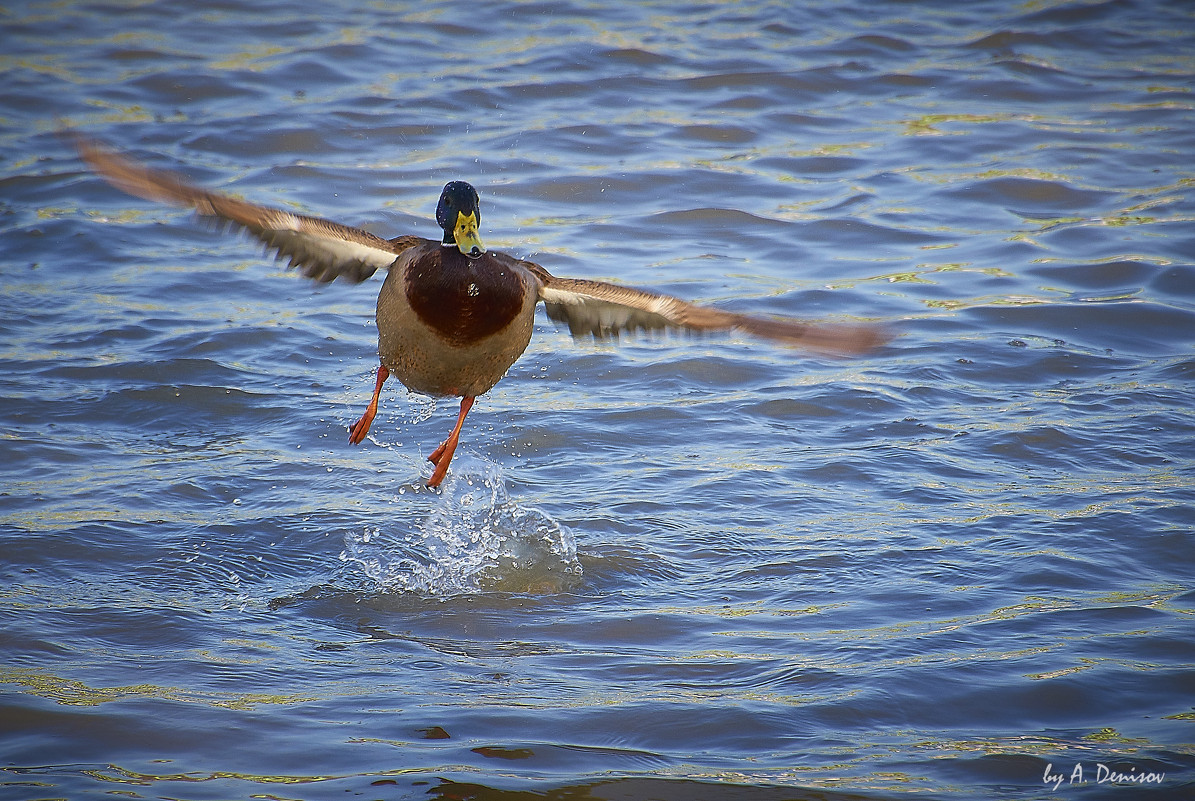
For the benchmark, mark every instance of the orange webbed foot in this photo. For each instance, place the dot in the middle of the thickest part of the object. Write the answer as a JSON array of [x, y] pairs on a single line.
[[442, 456], [361, 427]]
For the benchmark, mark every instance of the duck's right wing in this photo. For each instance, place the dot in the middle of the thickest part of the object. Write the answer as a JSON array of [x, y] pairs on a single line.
[[320, 249], [603, 310]]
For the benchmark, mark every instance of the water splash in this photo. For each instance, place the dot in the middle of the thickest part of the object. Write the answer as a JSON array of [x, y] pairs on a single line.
[[474, 538]]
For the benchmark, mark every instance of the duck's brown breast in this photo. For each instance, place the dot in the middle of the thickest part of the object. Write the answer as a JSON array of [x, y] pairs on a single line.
[[464, 300]]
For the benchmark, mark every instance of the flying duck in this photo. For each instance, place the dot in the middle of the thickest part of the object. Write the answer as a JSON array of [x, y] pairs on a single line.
[[452, 316]]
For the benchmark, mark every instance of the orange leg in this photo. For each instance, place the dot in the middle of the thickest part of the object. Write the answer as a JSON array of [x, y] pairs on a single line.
[[442, 455], [361, 427]]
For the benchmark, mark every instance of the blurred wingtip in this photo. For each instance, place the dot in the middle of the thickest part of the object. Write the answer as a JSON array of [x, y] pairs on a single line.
[[827, 339], [132, 177], [844, 340], [92, 151]]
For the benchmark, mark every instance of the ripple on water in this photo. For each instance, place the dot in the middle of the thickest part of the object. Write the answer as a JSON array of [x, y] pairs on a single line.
[[472, 538]]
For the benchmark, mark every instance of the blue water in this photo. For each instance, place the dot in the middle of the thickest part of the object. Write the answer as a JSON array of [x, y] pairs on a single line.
[[671, 568]]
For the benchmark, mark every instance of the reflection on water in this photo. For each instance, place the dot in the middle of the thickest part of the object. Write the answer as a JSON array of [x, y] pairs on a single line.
[[473, 537]]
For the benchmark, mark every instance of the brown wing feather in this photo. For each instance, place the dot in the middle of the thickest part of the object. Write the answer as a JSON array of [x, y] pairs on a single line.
[[321, 249], [603, 310]]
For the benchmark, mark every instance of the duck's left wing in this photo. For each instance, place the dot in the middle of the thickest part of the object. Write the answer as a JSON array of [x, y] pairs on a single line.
[[604, 310], [322, 250]]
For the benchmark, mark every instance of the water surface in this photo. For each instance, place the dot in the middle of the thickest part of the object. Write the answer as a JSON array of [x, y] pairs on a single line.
[[680, 568]]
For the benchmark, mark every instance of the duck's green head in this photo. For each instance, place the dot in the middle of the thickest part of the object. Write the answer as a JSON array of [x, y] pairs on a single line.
[[459, 216]]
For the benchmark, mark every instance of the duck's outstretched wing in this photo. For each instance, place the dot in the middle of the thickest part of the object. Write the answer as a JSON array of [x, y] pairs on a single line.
[[321, 249], [604, 310]]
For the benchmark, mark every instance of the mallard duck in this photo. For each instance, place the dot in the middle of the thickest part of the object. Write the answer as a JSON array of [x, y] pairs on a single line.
[[453, 317]]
